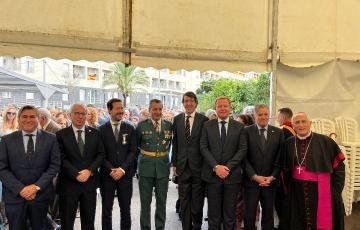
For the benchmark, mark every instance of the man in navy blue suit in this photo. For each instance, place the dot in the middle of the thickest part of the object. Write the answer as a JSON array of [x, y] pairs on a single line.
[[117, 170], [29, 161]]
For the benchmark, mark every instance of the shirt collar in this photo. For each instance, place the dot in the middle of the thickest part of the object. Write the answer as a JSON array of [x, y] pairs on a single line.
[[227, 120], [76, 129], [33, 133], [259, 127], [303, 138], [159, 121], [114, 122], [192, 114]]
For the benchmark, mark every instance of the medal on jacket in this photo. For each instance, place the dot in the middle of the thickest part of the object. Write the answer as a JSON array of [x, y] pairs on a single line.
[[124, 139]]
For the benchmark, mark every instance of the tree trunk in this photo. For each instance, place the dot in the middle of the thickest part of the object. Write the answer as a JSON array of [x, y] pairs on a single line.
[[125, 97]]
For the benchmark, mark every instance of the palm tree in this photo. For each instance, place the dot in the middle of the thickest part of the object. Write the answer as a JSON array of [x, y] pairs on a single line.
[[127, 79]]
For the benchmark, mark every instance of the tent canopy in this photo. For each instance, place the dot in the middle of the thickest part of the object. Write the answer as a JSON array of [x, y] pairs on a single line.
[[204, 35]]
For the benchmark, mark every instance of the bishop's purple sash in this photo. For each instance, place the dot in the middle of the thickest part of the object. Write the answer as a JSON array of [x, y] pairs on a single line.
[[324, 211]]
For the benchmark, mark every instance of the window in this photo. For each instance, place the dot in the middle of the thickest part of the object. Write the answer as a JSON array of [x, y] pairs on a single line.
[[65, 97], [79, 72], [66, 70], [6, 94], [29, 96], [29, 65], [82, 95]]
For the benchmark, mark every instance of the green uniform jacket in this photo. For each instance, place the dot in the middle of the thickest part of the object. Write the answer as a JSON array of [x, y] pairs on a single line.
[[150, 140]]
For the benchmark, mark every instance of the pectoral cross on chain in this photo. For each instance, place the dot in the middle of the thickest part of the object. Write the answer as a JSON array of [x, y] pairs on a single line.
[[299, 169]]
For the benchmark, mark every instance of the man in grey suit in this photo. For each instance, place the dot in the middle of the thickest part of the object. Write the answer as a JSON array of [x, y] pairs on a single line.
[[29, 160], [262, 168], [187, 162], [223, 146], [45, 121]]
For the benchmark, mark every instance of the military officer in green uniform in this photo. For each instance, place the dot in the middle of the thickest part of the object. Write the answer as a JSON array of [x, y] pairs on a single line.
[[154, 138]]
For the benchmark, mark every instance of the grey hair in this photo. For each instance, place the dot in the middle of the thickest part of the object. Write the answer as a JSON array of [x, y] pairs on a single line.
[[77, 104], [44, 113], [260, 106]]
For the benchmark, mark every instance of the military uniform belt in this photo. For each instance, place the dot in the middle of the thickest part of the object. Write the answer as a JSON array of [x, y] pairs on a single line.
[[153, 154]]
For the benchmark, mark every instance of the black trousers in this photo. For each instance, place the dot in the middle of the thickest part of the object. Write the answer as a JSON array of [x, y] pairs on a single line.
[[191, 195], [68, 207], [222, 206], [252, 196], [124, 190], [18, 214]]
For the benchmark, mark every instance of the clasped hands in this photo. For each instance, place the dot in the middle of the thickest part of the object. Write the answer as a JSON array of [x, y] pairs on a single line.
[[116, 173], [263, 180], [29, 192], [83, 175], [222, 171]]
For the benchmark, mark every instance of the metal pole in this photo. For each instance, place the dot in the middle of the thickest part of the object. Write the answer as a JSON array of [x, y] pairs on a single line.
[[159, 86], [274, 55], [46, 101]]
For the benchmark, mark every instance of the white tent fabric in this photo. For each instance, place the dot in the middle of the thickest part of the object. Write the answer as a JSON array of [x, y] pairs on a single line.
[[329, 90], [206, 35]]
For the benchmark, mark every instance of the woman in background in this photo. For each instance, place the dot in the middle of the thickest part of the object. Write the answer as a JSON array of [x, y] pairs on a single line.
[[10, 123], [92, 117]]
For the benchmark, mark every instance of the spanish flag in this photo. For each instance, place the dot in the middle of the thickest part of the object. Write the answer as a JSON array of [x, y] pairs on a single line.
[[91, 77]]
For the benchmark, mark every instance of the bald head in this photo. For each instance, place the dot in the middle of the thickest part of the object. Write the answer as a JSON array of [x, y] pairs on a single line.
[[301, 123]]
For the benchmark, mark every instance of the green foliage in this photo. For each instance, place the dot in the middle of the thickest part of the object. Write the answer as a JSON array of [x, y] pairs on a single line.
[[127, 79], [241, 93]]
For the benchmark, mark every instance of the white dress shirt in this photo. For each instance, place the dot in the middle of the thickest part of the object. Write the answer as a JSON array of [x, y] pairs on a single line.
[[266, 130], [191, 119], [82, 133], [113, 125], [226, 124], [26, 139]]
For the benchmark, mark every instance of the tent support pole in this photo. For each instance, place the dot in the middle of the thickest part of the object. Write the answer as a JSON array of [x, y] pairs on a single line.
[[127, 30], [274, 57]]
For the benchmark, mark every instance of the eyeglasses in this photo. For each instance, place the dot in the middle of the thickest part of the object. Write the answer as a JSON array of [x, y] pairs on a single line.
[[10, 113], [79, 114]]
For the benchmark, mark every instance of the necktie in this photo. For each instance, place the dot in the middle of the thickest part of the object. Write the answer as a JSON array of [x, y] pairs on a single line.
[[116, 132], [187, 129], [262, 138], [223, 133], [30, 145], [80, 142], [157, 128]]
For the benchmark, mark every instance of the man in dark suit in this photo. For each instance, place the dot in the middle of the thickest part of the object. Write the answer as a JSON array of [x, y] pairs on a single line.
[[46, 123], [223, 146], [187, 162], [262, 168], [117, 169], [82, 153], [29, 160]]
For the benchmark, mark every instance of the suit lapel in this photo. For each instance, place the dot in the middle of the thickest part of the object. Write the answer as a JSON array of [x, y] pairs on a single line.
[[256, 136], [122, 132], [195, 126], [269, 137], [109, 130], [217, 132], [72, 138], [38, 145], [181, 125], [88, 139], [230, 130]]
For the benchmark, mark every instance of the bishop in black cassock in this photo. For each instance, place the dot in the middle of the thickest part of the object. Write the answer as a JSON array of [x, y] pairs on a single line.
[[314, 175]]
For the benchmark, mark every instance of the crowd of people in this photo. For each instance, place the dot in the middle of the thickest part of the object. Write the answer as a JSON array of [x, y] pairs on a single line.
[[238, 163]]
